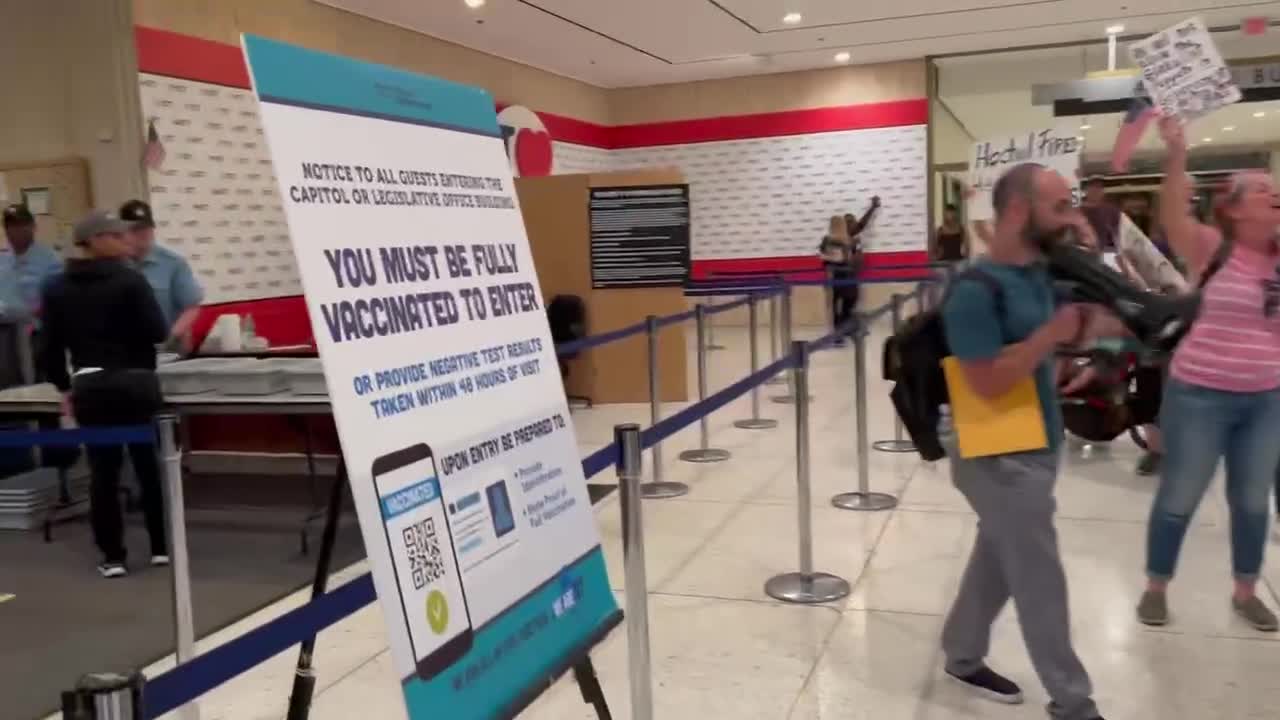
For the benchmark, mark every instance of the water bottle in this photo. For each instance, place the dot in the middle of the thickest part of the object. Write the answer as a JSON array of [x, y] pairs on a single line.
[[946, 428]]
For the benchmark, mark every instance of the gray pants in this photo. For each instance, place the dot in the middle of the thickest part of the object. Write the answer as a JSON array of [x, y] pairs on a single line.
[[1016, 556]]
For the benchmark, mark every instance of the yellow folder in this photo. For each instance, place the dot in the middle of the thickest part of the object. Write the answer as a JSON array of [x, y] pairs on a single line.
[[1013, 422]]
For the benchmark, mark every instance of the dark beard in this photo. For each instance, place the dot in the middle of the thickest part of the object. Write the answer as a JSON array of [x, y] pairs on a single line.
[[1042, 239]]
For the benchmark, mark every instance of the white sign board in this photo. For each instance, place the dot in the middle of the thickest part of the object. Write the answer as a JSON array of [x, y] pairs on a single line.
[[442, 374], [1183, 71], [1057, 147]]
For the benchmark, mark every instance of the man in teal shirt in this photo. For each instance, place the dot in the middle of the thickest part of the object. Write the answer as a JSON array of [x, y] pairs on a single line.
[[1001, 339], [168, 273], [29, 264]]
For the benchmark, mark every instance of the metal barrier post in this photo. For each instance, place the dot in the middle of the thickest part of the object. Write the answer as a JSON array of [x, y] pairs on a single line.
[[704, 453], [774, 329], [184, 631], [786, 340], [805, 586], [627, 438], [105, 696], [755, 422], [711, 333], [657, 488], [898, 444], [863, 499]]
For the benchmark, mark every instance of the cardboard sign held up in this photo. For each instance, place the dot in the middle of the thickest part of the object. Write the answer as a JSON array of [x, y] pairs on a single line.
[[1056, 147], [1183, 71]]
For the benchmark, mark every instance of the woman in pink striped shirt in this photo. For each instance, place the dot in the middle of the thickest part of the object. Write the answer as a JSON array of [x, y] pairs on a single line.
[[1223, 395]]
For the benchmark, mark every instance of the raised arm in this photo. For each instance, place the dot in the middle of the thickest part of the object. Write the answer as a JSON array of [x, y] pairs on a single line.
[[865, 220], [1182, 230]]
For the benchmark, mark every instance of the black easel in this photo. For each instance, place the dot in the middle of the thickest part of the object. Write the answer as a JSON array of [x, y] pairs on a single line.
[[304, 678]]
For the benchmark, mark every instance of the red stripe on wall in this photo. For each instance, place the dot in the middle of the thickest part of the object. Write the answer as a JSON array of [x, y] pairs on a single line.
[[161, 52], [776, 124], [806, 267]]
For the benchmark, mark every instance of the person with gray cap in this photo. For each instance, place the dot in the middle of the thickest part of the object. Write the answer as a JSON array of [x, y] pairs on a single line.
[[102, 313]]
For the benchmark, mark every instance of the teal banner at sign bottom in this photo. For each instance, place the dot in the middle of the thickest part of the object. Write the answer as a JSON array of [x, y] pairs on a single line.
[[517, 650]]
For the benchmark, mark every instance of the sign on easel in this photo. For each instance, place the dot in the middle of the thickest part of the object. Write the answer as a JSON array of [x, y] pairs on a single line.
[[1056, 147], [1183, 71], [442, 374]]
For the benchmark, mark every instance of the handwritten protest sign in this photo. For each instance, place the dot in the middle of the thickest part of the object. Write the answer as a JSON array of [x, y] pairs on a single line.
[[1183, 71], [1055, 147]]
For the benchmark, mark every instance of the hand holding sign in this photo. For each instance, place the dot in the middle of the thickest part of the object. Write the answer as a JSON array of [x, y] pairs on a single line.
[[1183, 71]]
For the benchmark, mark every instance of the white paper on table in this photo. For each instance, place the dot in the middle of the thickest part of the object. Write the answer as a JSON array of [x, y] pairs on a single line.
[[1183, 71], [1056, 146]]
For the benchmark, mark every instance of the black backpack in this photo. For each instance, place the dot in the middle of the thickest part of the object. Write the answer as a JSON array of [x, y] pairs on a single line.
[[912, 361]]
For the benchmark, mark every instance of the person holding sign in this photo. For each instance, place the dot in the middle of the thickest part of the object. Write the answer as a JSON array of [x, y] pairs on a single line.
[[1003, 334], [1222, 399]]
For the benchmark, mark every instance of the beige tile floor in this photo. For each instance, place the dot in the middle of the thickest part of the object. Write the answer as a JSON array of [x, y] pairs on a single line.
[[722, 649]]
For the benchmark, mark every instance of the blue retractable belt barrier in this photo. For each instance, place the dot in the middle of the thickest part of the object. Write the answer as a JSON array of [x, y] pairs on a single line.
[[144, 434], [597, 461], [679, 421]]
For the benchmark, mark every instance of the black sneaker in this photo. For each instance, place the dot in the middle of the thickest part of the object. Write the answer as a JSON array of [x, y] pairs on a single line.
[[991, 685], [112, 570]]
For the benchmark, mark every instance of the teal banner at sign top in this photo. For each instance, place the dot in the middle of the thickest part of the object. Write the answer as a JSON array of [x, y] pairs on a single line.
[[291, 75]]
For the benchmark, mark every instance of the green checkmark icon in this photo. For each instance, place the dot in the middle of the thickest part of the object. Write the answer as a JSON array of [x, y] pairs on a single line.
[[437, 612]]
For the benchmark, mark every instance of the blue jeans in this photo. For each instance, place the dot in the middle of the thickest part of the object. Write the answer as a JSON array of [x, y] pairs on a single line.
[[1201, 425]]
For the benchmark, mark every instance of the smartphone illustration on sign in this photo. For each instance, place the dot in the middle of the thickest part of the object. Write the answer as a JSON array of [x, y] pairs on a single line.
[[420, 543]]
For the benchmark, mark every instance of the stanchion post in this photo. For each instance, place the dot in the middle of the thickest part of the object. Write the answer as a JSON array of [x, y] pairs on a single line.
[[105, 696], [774, 329], [898, 444], [184, 631], [785, 304], [704, 453], [627, 438], [755, 422], [711, 333], [657, 488], [863, 498], [805, 586]]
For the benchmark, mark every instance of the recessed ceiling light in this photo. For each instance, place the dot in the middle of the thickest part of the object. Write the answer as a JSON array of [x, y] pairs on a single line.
[[1207, 140], [1260, 113], [1079, 138], [1115, 29], [474, 4], [1229, 128], [1085, 126], [842, 57], [792, 18]]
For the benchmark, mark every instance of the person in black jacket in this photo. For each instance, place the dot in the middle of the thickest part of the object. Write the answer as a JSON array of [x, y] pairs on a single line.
[[103, 314]]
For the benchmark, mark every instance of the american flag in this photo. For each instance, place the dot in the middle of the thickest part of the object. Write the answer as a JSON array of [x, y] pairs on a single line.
[[1135, 124], [153, 153]]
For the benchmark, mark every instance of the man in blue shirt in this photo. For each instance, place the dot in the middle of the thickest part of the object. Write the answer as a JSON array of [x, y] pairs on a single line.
[[1001, 341], [169, 274], [30, 264]]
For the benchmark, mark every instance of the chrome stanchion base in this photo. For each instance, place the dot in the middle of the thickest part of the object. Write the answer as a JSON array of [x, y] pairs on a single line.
[[705, 455], [894, 446], [756, 424], [663, 490], [806, 588], [868, 501]]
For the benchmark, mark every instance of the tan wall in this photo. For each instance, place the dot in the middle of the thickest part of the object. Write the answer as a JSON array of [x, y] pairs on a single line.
[[831, 87], [305, 22], [73, 92]]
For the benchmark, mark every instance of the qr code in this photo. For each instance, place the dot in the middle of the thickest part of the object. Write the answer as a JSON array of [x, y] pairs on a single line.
[[425, 563]]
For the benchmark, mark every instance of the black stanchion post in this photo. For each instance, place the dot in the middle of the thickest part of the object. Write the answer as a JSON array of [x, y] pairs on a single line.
[[704, 453], [899, 444], [805, 586], [785, 304], [755, 422], [105, 696], [627, 438], [657, 488], [863, 499], [304, 677]]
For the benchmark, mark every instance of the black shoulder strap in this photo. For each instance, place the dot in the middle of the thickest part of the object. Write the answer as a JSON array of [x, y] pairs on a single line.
[[1220, 257]]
